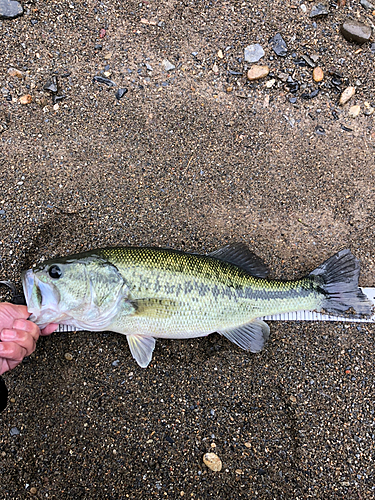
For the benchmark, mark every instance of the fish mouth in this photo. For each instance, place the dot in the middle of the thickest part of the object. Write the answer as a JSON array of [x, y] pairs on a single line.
[[42, 299]]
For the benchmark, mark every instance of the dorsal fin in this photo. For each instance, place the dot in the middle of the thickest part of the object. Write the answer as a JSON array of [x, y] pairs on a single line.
[[239, 255]]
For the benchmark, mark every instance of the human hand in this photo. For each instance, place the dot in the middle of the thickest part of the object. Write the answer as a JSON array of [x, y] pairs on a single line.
[[18, 335]]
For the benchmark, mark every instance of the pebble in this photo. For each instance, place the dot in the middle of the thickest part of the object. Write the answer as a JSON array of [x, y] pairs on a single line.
[[55, 107], [102, 33], [309, 61], [355, 31], [15, 72], [106, 81], [51, 85], [253, 53], [346, 95], [120, 93], [14, 431], [368, 109], [278, 45], [318, 74], [367, 5], [319, 10], [167, 65], [213, 462], [26, 99], [303, 8], [354, 111], [270, 83], [293, 399], [9, 9], [220, 54], [215, 68], [283, 77], [33, 490], [68, 356], [256, 72]]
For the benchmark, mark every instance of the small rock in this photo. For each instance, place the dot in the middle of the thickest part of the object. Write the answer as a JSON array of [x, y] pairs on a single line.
[[355, 31], [55, 107], [346, 95], [319, 10], [372, 48], [9, 9], [368, 109], [68, 356], [14, 431], [213, 462], [102, 33], [120, 93], [215, 68], [253, 53], [309, 61], [248, 445], [106, 81], [167, 65], [354, 111], [256, 72], [293, 399], [33, 491], [303, 8], [229, 89], [367, 5], [283, 77], [15, 72], [220, 54], [26, 99], [314, 57], [51, 85], [318, 74], [270, 83], [278, 45]]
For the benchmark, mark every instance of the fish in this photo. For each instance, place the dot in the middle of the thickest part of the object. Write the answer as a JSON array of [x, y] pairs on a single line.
[[147, 293]]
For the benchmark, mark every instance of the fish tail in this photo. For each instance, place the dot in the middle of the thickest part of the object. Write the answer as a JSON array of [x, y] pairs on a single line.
[[338, 278]]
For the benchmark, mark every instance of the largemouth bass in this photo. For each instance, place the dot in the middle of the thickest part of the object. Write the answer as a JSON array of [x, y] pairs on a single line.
[[148, 293]]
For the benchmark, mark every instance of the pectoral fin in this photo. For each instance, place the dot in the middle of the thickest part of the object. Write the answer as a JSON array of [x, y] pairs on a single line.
[[250, 337], [141, 348]]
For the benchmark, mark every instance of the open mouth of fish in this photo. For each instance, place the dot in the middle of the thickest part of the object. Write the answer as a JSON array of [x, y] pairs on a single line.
[[42, 299]]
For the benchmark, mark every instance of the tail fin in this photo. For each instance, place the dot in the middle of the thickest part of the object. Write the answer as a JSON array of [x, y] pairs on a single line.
[[338, 276]]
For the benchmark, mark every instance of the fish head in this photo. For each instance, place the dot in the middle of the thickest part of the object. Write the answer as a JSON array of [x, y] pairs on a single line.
[[79, 291]]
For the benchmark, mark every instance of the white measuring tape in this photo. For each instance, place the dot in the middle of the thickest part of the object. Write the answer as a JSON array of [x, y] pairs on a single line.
[[295, 316]]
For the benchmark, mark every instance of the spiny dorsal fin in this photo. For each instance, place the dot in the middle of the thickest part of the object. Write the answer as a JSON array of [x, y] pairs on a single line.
[[239, 255]]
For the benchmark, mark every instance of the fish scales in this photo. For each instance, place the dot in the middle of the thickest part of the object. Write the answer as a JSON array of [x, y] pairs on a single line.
[[210, 293], [148, 293]]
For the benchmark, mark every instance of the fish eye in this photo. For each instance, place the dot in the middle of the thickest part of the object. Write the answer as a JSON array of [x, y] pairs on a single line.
[[55, 272]]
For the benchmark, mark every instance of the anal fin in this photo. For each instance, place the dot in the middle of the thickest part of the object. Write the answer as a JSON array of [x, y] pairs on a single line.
[[141, 348], [250, 337]]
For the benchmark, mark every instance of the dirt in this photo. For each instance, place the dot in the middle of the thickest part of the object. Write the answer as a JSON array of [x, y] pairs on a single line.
[[192, 160]]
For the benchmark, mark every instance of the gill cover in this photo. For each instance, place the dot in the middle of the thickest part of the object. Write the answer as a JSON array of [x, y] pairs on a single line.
[[84, 292]]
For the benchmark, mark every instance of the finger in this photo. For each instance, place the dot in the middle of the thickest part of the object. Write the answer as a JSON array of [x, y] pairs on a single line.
[[23, 339], [12, 351], [49, 329], [28, 327]]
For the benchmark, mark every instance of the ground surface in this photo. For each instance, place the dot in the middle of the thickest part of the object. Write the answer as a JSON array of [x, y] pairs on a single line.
[[189, 159]]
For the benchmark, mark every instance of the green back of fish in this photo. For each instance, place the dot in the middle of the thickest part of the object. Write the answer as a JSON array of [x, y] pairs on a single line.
[[176, 293]]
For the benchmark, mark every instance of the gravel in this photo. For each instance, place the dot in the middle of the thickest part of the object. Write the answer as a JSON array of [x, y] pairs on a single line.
[[189, 159]]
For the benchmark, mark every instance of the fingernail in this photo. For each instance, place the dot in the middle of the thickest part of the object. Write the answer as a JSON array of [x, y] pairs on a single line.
[[20, 324], [8, 334]]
